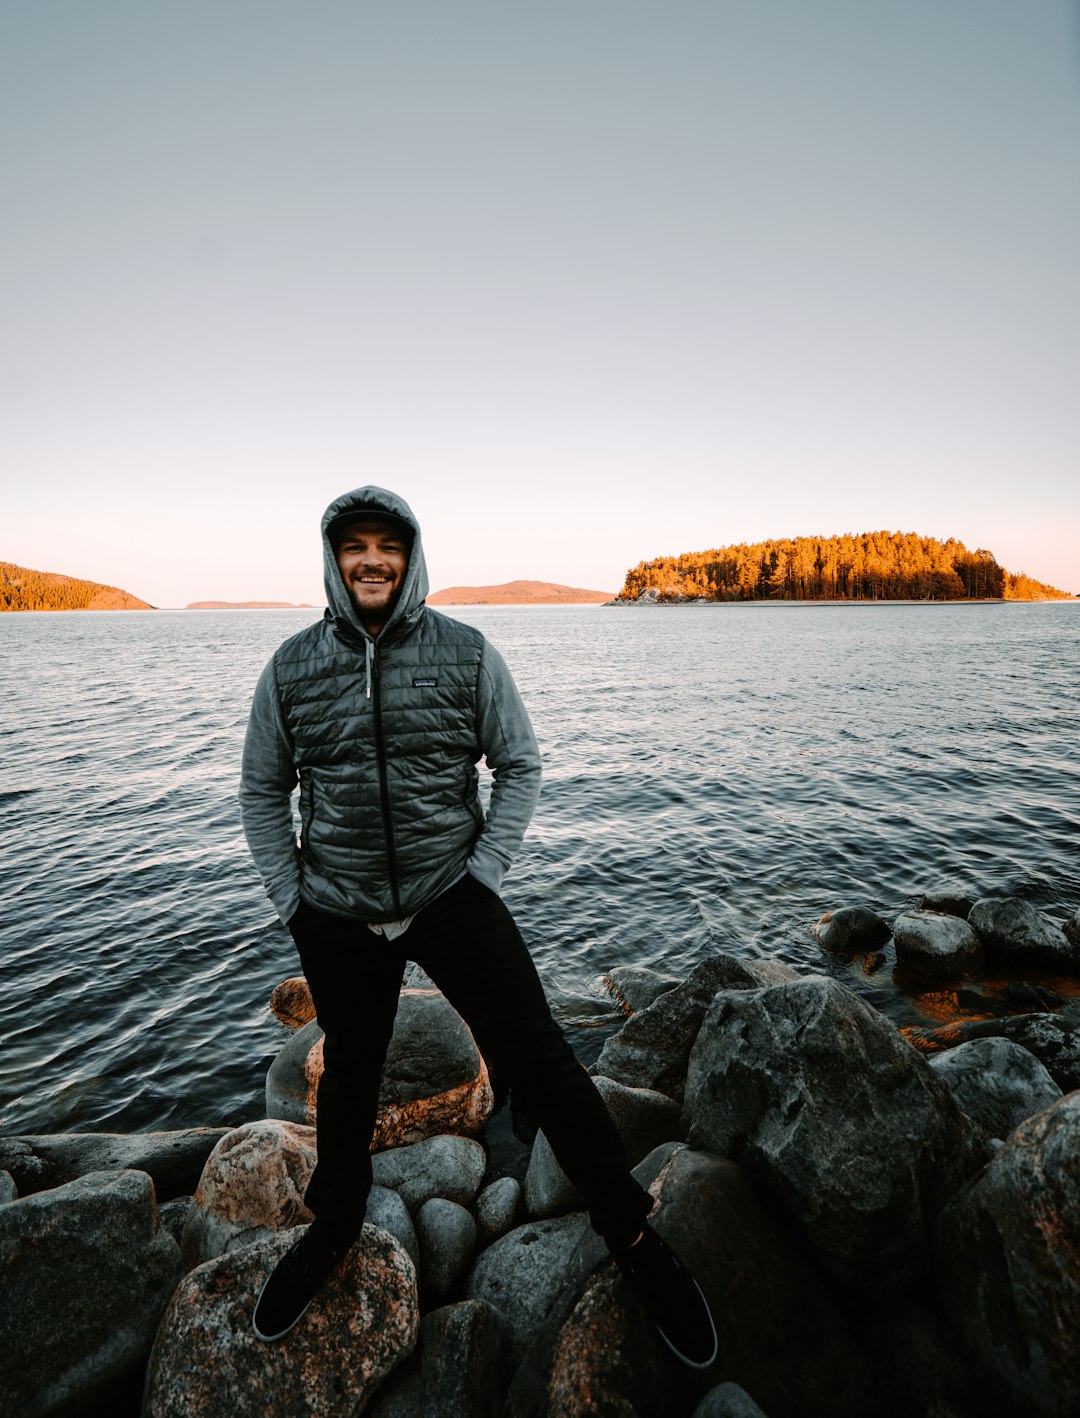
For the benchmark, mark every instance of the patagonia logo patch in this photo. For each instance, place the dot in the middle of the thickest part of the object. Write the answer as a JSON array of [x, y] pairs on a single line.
[[424, 683]]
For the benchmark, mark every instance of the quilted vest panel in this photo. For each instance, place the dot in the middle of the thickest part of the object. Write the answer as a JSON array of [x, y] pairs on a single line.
[[389, 808]]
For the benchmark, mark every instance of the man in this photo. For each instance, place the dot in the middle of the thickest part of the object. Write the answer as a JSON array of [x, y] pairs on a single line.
[[380, 712]]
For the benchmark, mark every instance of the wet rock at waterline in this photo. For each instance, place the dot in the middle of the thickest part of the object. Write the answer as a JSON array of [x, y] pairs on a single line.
[[842, 1123], [86, 1276], [172, 1159], [996, 1082], [1071, 929], [948, 899], [1013, 930], [938, 946], [635, 987], [207, 1363], [434, 1080], [1009, 1264], [652, 1048], [1054, 1039], [851, 930]]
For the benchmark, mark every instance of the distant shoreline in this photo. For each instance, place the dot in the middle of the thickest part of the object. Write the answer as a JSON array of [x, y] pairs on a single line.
[[690, 603]]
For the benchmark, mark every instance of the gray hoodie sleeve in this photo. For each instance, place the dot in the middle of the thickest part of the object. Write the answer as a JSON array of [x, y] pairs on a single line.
[[509, 745], [267, 780]]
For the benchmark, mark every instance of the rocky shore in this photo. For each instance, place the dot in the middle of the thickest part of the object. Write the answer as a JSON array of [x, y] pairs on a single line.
[[883, 1223]]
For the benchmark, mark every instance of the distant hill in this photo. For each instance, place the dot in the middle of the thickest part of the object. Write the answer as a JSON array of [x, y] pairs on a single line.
[[248, 606], [24, 590], [868, 566], [518, 593]]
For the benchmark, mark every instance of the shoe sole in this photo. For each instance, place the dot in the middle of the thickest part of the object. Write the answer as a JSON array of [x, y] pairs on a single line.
[[683, 1359], [273, 1338]]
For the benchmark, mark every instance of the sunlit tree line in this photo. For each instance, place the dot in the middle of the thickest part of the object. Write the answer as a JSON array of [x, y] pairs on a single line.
[[867, 566], [25, 590]]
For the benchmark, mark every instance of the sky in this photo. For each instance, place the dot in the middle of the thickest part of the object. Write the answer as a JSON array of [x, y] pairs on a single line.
[[587, 282]]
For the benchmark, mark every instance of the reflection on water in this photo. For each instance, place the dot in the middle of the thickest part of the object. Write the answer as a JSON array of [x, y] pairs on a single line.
[[715, 778]]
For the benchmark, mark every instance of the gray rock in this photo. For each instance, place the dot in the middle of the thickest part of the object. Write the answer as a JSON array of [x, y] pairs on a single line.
[[291, 1003], [8, 1189], [852, 930], [172, 1216], [949, 898], [86, 1277], [1053, 1039], [447, 1236], [386, 1210], [780, 1335], [207, 1363], [1071, 929], [1011, 928], [434, 1080], [635, 987], [939, 946], [649, 596], [252, 1186], [521, 1273], [1007, 1265], [850, 1131], [652, 1048], [495, 1210], [446, 1166], [456, 1370], [996, 1082], [643, 1118], [772, 972], [172, 1159], [727, 1401]]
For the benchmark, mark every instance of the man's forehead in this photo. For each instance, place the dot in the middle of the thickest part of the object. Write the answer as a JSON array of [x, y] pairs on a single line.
[[371, 526]]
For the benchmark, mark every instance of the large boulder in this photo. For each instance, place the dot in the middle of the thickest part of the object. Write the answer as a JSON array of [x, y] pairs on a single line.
[[996, 1082], [940, 946], [652, 1048], [8, 1190], [848, 1128], [207, 1362], [456, 1370], [173, 1160], [86, 1276], [851, 930], [434, 1080], [644, 1119], [521, 1274], [780, 1335], [1014, 930], [1009, 1265], [252, 1186], [448, 1166]]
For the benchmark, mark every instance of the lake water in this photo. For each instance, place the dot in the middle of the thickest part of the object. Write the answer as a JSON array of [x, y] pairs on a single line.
[[715, 778]]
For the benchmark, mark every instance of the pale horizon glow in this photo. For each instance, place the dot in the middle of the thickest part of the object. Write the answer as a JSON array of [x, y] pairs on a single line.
[[586, 285]]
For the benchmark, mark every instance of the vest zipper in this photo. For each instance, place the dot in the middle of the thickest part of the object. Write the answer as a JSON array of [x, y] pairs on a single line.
[[384, 792]]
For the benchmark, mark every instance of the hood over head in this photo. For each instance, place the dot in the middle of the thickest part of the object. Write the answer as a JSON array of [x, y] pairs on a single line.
[[374, 502]]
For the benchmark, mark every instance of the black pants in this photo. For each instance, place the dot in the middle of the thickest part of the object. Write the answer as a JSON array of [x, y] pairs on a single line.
[[468, 944]]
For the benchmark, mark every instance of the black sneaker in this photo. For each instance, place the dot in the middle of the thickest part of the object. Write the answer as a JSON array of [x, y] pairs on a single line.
[[295, 1281], [671, 1298]]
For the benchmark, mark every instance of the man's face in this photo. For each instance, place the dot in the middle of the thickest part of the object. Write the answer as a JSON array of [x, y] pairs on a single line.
[[372, 557]]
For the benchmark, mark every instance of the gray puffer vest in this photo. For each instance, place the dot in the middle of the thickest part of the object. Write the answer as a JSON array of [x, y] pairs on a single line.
[[385, 747]]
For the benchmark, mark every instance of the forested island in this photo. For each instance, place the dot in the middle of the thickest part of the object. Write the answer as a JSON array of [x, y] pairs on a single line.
[[869, 566], [22, 589]]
